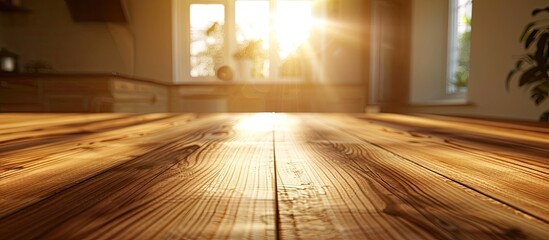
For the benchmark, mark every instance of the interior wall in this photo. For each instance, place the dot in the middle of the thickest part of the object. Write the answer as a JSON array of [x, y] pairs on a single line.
[[429, 50], [141, 47], [151, 25], [345, 42], [495, 47], [2, 36], [48, 34]]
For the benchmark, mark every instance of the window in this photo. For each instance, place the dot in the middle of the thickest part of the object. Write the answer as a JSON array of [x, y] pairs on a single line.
[[459, 45], [261, 40], [206, 39], [439, 61]]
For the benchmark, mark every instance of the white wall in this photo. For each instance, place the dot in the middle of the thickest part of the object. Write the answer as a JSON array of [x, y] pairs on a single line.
[[496, 27], [494, 49], [429, 50], [142, 47]]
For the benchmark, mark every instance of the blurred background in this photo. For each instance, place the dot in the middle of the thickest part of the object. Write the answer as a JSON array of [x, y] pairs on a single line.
[[408, 56]]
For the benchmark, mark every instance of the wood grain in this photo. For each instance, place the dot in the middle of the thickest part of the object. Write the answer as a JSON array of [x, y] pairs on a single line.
[[63, 127], [338, 176], [190, 176], [30, 174], [351, 188], [507, 164]]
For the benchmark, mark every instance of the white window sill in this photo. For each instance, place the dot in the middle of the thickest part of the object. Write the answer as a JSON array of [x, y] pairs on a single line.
[[454, 99], [443, 103]]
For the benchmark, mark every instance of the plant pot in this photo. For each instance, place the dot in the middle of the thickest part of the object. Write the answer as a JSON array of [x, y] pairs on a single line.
[[245, 70]]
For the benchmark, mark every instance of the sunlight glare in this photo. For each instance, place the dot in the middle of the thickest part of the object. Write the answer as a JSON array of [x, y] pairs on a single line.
[[259, 122], [293, 23]]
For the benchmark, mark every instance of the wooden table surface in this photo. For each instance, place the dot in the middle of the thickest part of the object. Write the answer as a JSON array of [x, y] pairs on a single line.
[[271, 176]]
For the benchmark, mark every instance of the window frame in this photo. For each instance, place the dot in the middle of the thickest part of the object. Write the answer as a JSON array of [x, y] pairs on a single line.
[[182, 38], [453, 51], [181, 43]]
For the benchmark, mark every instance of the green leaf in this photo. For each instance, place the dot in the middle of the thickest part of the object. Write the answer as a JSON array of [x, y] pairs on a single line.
[[544, 86], [538, 98], [526, 30], [530, 39], [511, 73], [527, 59], [541, 50], [509, 77], [530, 76], [539, 10], [539, 93], [530, 58], [544, 117], [545, 54], [519, 64]]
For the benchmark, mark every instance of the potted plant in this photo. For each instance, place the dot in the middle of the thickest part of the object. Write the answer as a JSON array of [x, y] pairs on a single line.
[[533, 67], [461, 75], [249, 50], [250, 59]]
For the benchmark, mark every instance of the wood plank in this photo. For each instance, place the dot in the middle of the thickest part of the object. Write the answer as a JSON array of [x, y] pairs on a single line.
[[28, 122], [503, 130], [26, 117], [493, 122], [509, 165], [210, 178], [83, 126], [339, 176], [31, 174], [332, 180]]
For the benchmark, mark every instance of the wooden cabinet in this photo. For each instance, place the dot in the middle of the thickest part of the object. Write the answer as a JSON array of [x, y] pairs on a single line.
[[20, 96], [269, 98], [133, 96], [339, 98], [80, 93], [114, 93], [6, 7]]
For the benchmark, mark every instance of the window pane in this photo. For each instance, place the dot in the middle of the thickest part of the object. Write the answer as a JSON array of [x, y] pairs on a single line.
[[207, 21], [252, 35], [293, 23], [460, 42]]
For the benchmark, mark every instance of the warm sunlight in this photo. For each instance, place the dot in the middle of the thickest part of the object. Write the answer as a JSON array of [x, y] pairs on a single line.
[[293, 22], [273, 34], [259, 122]]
